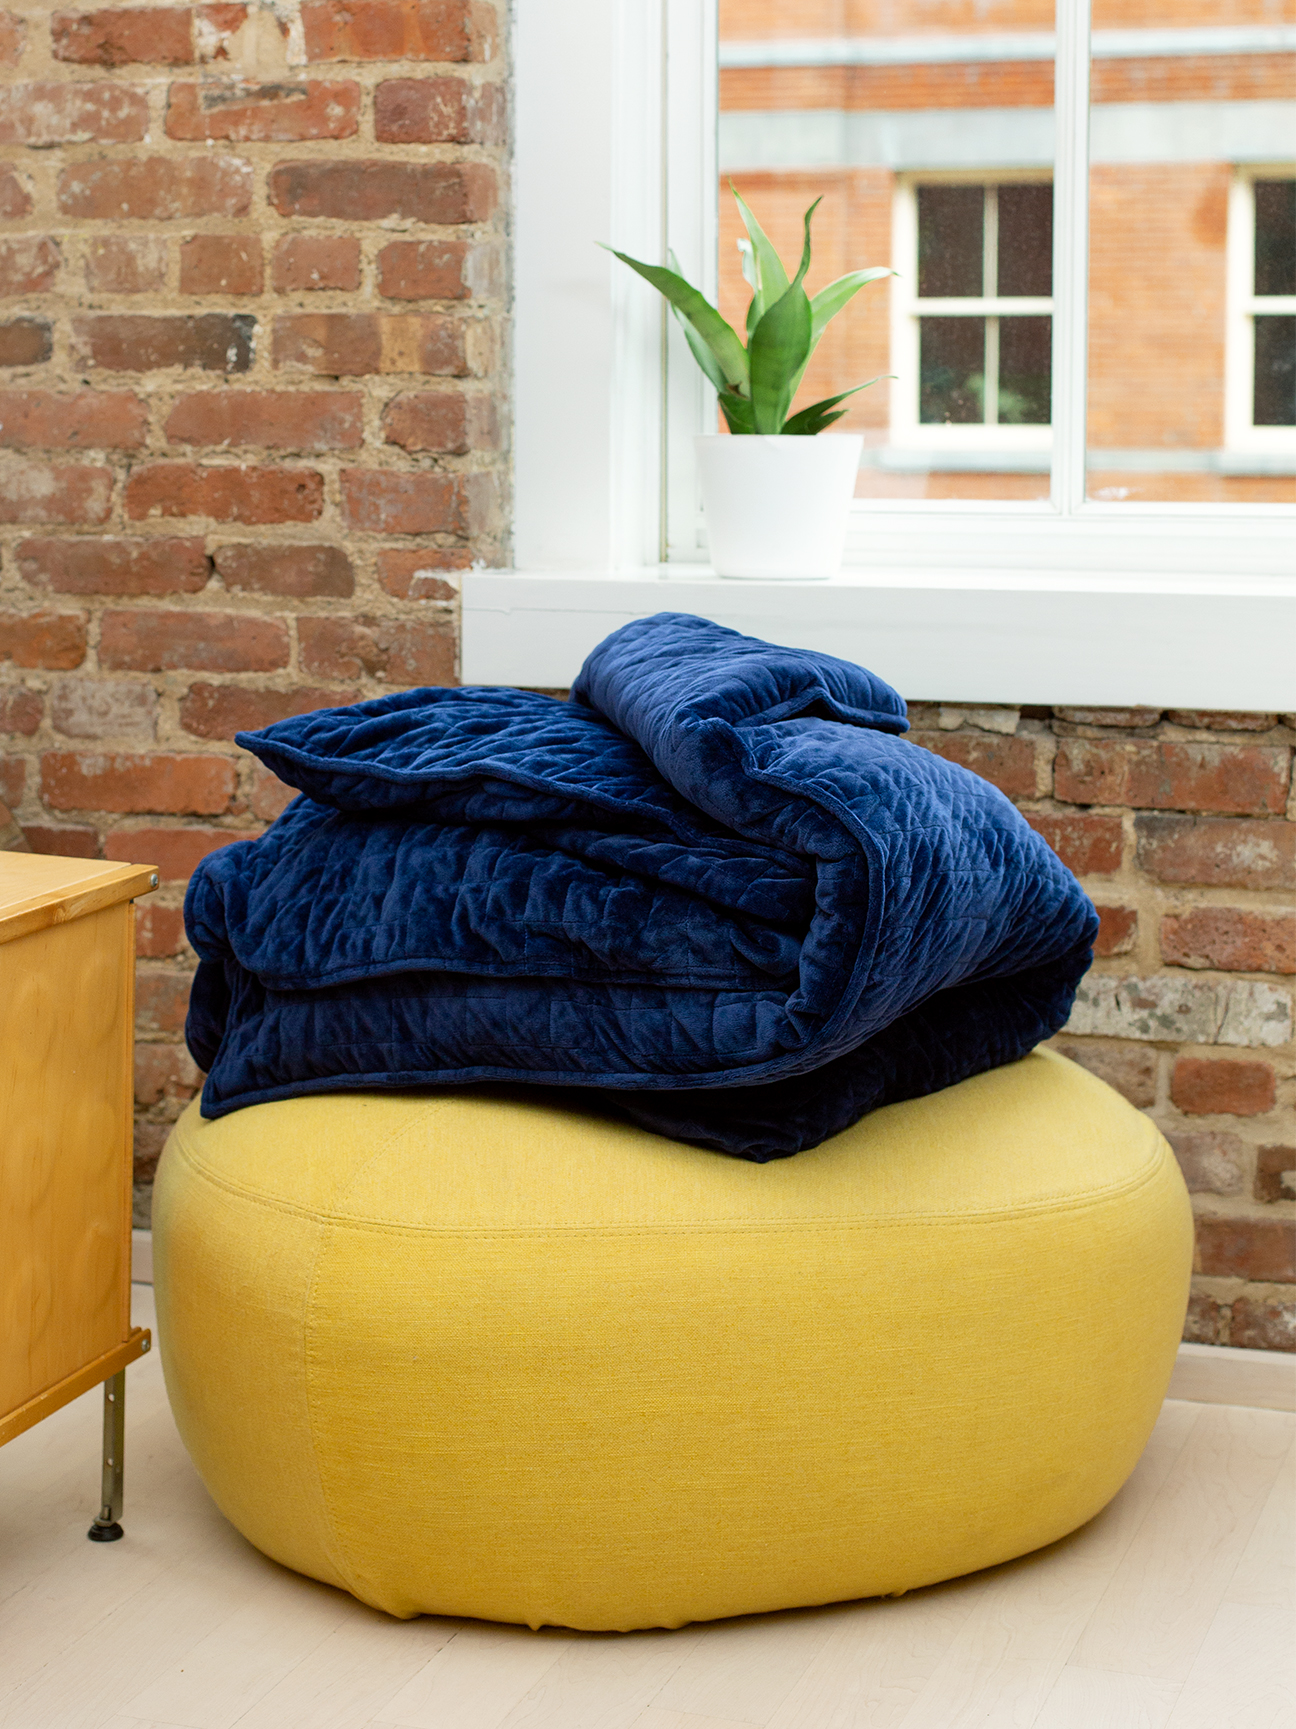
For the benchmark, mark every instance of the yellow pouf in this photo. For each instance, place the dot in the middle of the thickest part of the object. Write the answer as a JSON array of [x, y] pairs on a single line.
[[465, 1355]]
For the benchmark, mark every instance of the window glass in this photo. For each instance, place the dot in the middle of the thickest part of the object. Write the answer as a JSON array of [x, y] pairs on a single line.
[[1192, 229], [927, 127]]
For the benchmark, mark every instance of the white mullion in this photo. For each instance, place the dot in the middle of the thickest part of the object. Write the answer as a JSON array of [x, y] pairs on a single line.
[[1008, 306], [1070, 255]]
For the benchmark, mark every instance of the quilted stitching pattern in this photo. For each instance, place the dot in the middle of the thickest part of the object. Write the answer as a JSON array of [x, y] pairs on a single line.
[[716, 884]]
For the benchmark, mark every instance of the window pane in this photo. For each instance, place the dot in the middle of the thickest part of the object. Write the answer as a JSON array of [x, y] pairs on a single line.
[[1026, 240], [953, 371], [1275, 371], [1175, 412], [911, 119], [1025, 370], [951, 241], [1275, 237]]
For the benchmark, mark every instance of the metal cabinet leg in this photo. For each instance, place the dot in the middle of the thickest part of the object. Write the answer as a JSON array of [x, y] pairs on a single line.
[[106, 1528]]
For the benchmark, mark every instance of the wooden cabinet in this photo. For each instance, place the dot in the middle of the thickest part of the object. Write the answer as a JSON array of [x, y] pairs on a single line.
[[67, 972]]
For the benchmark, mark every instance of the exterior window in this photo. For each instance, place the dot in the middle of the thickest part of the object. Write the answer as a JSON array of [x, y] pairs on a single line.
[[1273, 382], [985, 328]]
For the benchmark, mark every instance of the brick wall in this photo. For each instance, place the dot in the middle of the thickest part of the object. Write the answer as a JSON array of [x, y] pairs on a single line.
[[1182, 826], [251, 333]]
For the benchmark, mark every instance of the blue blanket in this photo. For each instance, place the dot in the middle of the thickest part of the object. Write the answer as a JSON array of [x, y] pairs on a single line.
[[717, 885]]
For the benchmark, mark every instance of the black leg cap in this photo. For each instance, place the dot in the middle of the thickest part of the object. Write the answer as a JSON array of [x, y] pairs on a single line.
[[105, 1533]]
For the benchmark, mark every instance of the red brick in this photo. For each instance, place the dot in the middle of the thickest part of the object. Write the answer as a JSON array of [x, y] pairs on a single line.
[[91, 419], [136, 342], [15, 200], [405, 651], [1264, 1323], [121, 264], [53, 640], [368, 191], [24, 342], [314, 261], [165, 1072], [1201, 1086], [398, 30], [439, 270], [146, 35], [386, 502], [156, 188], [1122, 717], [12, 34], [1263, 1250], [221, 710], [163, 566], [46, 114], [264, 113], [103, 708], [270, 795], [176, 852], [439, 111], [275, 419], [13, 778], [140, 641], [221, 264], [1222, 720], [160, 782], [63, 842], [161, 1000], [28, 265], [1130, 1069], [251, 495], [1212, 1163], [1230, 938], [1216, 853], [1233, 779], [412, 575], [290, 570], [1202, 1322], [1087, 845], [441, 420], [150, 1141], [47, 492], [1275, 1178], [350, 344], [20, 710], [1007, 762], [1117, 930], [158, 931]]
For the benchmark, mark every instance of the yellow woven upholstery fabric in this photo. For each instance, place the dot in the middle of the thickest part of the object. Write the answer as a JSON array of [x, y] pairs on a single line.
[[477, 1356]]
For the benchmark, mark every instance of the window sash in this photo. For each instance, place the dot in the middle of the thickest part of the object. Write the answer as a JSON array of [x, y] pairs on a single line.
[[608, 395]]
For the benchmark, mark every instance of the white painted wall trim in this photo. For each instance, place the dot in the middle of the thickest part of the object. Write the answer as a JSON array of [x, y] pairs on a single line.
[[1224, 1375], [1027, 636], [1018, 45]]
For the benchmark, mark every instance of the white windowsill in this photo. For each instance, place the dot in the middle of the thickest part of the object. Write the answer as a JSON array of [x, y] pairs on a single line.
[[1055, 637]]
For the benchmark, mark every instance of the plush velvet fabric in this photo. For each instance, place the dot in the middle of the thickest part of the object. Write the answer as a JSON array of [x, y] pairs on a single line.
[[717, 885]]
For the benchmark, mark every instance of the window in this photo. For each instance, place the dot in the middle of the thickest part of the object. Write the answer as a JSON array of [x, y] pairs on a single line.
[[972, 330], [1192, 561], [1262, 323]]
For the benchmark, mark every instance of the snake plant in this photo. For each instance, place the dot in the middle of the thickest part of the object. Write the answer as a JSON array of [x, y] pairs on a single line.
[[756, 383]]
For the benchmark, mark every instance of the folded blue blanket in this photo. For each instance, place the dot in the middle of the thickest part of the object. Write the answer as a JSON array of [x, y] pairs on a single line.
[[715, 885]]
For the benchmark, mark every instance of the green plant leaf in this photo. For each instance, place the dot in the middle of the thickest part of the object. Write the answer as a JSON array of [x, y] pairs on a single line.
[[814, 418], [771, 278], [737, 412], [777, 355], [718, 335], [804, 265], [829, 301]]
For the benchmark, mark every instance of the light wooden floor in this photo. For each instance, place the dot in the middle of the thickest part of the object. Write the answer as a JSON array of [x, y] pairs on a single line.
[[1172, 1610]]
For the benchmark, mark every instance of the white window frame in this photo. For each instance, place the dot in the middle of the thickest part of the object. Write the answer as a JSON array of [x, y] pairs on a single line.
[[908, 433], [1068, 601], [1241, 434]]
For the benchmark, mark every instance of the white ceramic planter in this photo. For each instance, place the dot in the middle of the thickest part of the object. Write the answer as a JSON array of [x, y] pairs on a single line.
[[776, 508]]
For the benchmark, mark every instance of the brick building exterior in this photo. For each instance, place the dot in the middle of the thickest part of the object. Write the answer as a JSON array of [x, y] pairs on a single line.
[[253, 409]]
